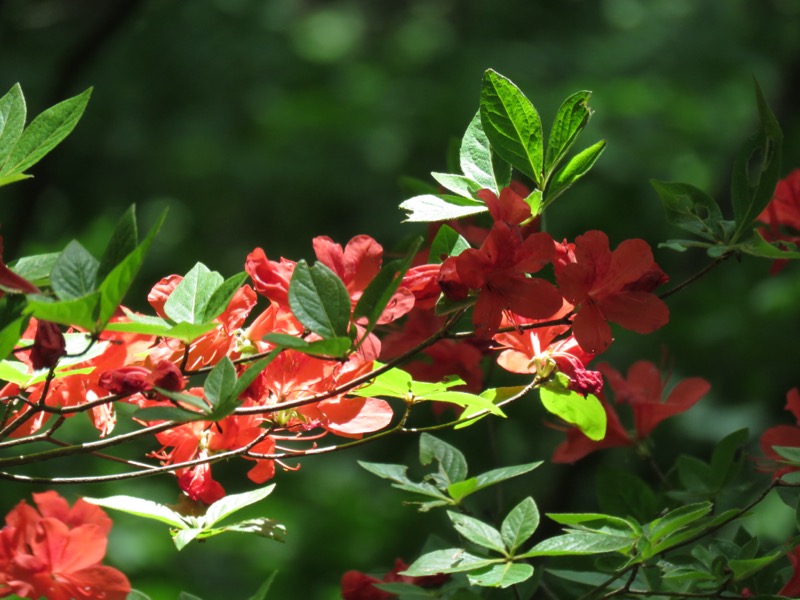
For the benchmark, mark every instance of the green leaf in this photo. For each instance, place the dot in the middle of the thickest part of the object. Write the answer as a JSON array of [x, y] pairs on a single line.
[[458, 184], [397, 475], [579, 543], [452, 464], [469, 486], [185, 332], [381, 289], [728, 457], [440, 207], [187, 302], [123, 241], [757, 169], [477, 160], [586, 413], [407, 591], [501, 576], [676, 519], [477, 532], [690, 209], [493, 395], [756, 245], [169, 413], [219, 384], [12, 120], [232, 503], [577, 167], [36, 269], [261, 594], [116, 284], [598, 523], [790, 453], [694, 474], [621, 492], [184, 536], [447, 242], [8, 179], [222, 296], [82, 312], [742, 569], [570, 120], [512, 125], [319, 300], [13, 322], [188, 596], [520, 524], [135, 595], [450, 560], [141, 508], [74, 273], [44, 133]]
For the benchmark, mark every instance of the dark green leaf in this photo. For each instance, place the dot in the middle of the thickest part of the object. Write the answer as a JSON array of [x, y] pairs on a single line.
[[570, 120], [520, 524], [728, 457], [407, 591], [169, 413], [13, 322], [320, 300], [187, 302], [114, 287], [447, 242], [501, 576], [249, 376], [261, 594], [742, 569], [694, 474], [756, 245], [74, 273], [222, 296], [512, 125], [690, 209], [334, 347], [477, 532], [44, 133], [623, 493], [12, 121], [676, 519], [220, 383], [757, 169], [440, 207], [452, 464], [123, 241]]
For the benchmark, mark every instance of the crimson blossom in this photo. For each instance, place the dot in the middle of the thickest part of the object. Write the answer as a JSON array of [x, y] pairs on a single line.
[[55, 552], [643, 390], [781, 217], [359, 586], [610, 286], [782, 435]]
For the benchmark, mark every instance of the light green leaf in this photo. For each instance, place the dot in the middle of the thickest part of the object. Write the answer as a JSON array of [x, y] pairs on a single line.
[[790, 453], [477, 161], [512, 125], [44, 133], [429, 208], [586, 413], [501, 576], [744, 568], [232, 503], [495, 396], [186, 332], [36, 269], [676, 519], [579, 543], [141, 508], [577, 167], [319, 300], [187, 302], [458, 184], [123, 241], [520, 524], [451, 560], [477, 532], [82, 312], [469, 486], [184, 536], [222, 296]]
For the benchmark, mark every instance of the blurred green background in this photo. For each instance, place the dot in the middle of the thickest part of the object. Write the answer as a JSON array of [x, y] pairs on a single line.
[[267, 122]]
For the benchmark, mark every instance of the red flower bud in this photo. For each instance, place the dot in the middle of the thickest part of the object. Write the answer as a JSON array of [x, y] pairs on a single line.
[[126, 380], [48, 345]]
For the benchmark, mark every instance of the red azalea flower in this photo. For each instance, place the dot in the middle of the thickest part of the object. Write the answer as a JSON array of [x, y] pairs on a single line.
[[643, 390], [56, 552], [781, 217], [360, 586], [782, 435], [577, 445], [792, 587], [611, 286], [510, 207], [498, 271]]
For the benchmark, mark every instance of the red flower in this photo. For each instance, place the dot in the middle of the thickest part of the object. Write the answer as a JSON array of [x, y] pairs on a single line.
[[498, 271], [782, 435], [782, 215], [11, 282], [55, 552], [48, 345], [643, 391], [359, 586], [606, 286], [509, 207], [792, 587]]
